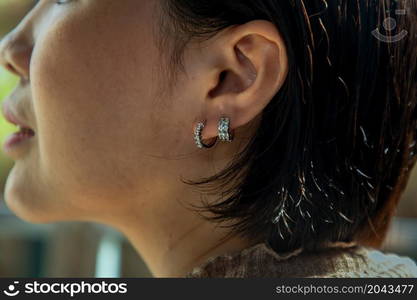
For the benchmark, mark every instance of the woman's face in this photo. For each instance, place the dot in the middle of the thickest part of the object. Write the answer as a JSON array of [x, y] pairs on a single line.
[[103, 136]]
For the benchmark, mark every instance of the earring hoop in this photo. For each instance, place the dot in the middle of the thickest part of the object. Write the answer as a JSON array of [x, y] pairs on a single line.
[[199, 139], [224, 134]]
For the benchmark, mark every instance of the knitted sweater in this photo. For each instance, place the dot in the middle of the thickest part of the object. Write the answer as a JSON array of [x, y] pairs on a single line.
[[261, 260]]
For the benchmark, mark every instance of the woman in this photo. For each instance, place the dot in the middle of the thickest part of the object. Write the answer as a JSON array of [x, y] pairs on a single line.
[[223, 138]]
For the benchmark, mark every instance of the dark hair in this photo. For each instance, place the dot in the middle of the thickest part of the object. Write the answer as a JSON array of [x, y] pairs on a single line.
[[335, 146]]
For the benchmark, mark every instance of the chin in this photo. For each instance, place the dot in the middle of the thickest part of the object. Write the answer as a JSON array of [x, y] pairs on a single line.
[[21, 200], [25, 210], [24, 203]]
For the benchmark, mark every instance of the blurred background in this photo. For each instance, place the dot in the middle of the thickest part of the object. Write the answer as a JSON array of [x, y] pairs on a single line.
[[93, 250]]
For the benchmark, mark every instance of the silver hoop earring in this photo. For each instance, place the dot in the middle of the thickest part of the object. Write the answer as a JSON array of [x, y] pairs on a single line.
[[224, 134], [198, 137]]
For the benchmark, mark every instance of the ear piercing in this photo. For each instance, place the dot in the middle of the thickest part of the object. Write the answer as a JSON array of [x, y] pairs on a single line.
[[224, 134], [198, 137], [223, 127]]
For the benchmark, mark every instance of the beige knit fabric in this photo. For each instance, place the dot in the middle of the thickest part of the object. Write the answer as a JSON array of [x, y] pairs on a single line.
[[261, 260]]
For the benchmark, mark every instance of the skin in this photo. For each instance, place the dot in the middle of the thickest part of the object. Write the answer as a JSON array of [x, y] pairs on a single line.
[[109, 146]]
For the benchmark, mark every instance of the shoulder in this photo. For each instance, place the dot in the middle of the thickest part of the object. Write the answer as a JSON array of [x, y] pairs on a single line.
[[262, 261]]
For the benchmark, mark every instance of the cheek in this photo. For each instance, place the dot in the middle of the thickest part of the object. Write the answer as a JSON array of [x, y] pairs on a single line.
[[91, 110]]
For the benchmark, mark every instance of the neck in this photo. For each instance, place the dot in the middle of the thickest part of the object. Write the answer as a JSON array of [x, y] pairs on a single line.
[[169, 253]]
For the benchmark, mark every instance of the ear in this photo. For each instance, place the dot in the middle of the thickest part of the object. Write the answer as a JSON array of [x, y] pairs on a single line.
[[241, 70]]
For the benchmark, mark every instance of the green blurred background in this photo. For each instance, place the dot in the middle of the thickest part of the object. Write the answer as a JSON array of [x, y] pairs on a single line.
[[10, 12], [7, 83], [92, 250]]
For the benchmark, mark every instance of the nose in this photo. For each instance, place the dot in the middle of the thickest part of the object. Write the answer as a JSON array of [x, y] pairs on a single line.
[[15, 53]]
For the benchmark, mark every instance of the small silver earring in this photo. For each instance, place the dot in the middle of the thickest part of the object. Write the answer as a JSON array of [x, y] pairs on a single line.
[[224, 134], [198, 137]]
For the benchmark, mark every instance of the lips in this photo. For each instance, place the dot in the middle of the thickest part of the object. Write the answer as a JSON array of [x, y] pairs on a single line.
[[13, 117]]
